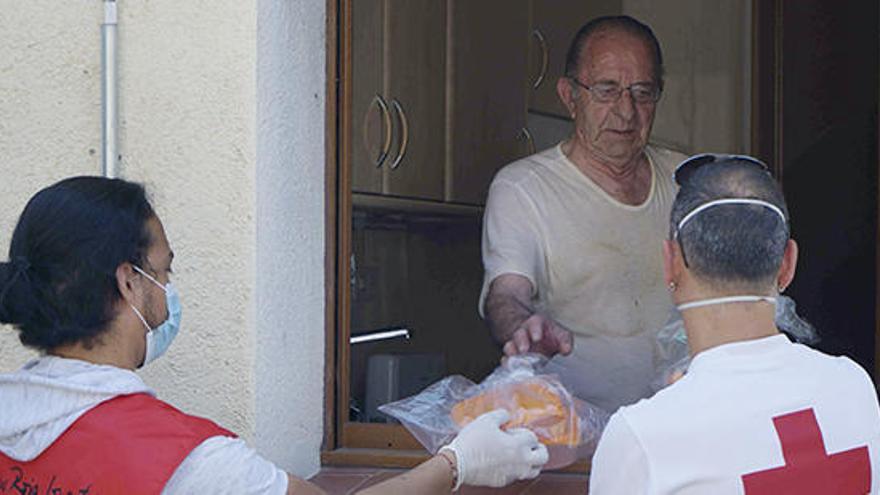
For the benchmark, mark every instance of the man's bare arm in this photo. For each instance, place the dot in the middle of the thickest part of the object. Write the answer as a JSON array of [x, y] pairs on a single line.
[[299, 486], [508, 304], [433, 476], [516, 325]]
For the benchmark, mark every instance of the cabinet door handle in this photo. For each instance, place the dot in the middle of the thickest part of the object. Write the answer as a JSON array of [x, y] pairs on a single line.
[[544, 57], [524, 133], [404, 133], [386, 130]]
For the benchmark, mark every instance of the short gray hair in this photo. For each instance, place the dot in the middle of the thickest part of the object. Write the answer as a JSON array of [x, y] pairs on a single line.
[[622, 23], [735, 245]]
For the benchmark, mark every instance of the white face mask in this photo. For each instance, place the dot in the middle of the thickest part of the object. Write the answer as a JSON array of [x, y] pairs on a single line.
[[159, 339]]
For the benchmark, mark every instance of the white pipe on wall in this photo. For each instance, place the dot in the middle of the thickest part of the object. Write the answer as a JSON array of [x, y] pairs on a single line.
[[108, 89]]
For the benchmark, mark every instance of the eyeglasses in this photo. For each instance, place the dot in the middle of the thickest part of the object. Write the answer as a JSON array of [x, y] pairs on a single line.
[[686, 169], [608, 92]]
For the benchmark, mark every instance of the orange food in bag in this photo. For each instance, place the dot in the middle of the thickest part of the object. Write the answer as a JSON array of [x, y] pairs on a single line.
[[533, 403]]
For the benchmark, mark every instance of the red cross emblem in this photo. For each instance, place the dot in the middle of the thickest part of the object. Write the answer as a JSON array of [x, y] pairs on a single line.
[[808, 469]]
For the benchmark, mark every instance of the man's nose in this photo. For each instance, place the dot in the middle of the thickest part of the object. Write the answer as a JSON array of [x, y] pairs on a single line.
[[625, 106]]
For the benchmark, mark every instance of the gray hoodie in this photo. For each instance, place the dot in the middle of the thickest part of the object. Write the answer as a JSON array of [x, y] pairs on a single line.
[[48, 394], [44, 397]]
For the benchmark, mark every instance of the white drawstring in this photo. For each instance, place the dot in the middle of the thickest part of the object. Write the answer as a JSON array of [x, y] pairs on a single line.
[[725, 300], [729, 201]]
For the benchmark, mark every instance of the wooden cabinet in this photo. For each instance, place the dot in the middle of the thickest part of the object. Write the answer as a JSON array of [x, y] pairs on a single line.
[[487, 101], [439, 96], [398, 118], [554, 25]]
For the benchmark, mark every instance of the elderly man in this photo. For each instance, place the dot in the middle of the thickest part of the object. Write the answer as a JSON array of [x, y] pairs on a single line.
[[571, 233], [755, 414]]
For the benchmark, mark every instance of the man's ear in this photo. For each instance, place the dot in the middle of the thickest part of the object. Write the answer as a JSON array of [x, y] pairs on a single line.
[[125, 282], [668, 255], [566, 95], [788, 265], [671, 262]]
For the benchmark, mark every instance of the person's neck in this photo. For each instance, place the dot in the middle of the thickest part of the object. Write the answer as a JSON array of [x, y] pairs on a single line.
[[627, 181], [712, 326], [106, 350]]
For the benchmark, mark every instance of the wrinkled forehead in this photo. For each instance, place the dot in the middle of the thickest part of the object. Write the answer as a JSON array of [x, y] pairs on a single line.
[[612, 50]]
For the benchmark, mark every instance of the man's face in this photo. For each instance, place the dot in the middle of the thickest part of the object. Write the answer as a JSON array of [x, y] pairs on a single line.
[[615, 132], [158, 264]]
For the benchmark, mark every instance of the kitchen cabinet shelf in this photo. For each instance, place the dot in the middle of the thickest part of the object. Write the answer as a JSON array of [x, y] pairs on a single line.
[[414, 206]]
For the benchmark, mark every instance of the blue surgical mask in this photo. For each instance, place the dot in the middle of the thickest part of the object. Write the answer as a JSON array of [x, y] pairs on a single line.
[[159, 339]]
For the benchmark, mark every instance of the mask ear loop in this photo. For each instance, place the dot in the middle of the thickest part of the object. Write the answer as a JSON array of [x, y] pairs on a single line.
[[139, 315], [149, 277], [681, 248]]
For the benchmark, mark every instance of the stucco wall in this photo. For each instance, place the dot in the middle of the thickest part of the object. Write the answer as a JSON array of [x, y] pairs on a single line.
[[290, 232], [249, 251]]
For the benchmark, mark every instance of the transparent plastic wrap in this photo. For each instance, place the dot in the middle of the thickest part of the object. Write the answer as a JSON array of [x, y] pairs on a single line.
[[672, 356], [567, 426]]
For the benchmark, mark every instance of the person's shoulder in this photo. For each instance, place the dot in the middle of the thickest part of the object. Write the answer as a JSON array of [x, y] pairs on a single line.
[[226, 465], [528, 168], [665, 157], [841, 368]]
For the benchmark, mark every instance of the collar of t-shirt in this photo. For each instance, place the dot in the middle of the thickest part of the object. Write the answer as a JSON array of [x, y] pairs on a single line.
[[746, 354]]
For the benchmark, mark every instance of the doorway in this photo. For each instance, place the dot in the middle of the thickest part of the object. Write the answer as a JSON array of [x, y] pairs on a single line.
[[816, 86]]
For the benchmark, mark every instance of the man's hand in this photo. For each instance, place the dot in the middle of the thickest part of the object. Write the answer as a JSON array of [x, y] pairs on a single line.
[[540, 334], [514, 321]]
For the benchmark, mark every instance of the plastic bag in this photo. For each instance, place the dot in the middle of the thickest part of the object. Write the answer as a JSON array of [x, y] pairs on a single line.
[[569, 427], [672, 356]]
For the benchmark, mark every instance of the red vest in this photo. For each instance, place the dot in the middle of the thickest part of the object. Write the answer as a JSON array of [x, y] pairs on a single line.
[[131, 444]]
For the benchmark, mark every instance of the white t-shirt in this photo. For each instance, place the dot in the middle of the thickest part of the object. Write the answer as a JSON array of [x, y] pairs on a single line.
[[595, 264], [226, 465], [776, 416]]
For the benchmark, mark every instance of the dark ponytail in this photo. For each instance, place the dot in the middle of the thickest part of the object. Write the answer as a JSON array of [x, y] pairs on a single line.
[[15, 288], [59, 285]]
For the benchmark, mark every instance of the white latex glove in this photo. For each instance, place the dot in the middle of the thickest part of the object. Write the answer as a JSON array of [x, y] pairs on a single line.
[[488, 456]]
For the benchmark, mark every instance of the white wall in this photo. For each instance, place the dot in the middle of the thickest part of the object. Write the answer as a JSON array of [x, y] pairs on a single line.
[[290, 231], [221, 116]]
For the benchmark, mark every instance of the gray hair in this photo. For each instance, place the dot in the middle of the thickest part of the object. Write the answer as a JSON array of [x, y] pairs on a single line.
[[622, 23], [731, 246]]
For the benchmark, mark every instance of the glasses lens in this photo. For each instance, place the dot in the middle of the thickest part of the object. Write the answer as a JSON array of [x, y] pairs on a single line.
[[644, 93], [605, 92]]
